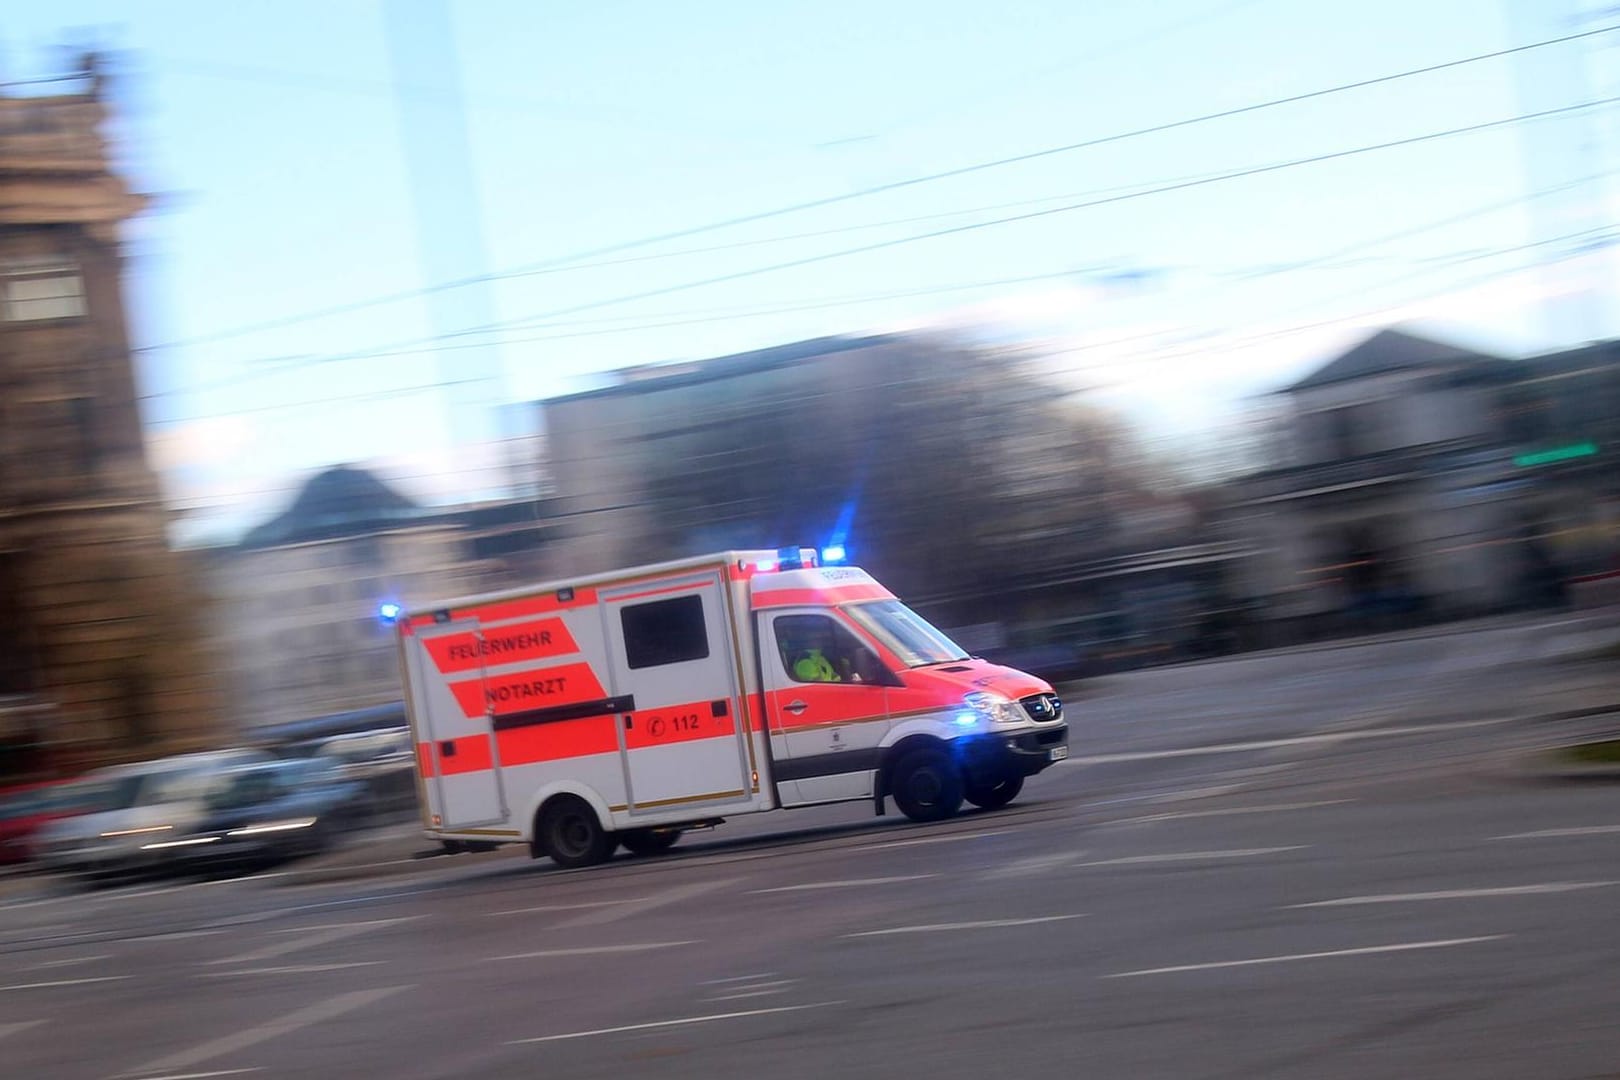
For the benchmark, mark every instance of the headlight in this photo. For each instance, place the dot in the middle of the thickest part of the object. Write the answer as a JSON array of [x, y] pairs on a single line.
[[995, 708], [192, 841], [273, 826]]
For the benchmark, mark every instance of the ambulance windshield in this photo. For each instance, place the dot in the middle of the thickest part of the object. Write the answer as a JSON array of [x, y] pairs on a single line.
[[913, 638]]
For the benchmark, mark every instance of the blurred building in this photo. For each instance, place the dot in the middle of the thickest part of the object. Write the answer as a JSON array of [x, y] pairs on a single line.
[[97, 616], [299, 601], [1417, 479], [733, 428], [1561, 424], [959, 475]]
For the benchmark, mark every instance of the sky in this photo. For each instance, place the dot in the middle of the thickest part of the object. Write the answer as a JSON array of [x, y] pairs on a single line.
[[349, 154]]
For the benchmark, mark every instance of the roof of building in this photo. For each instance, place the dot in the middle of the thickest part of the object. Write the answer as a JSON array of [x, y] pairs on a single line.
[[1395, 350], [657, 377], [340, 502]]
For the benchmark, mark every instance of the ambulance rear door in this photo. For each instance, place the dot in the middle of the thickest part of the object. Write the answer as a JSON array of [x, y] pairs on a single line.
[[452, 709], [683, 738]]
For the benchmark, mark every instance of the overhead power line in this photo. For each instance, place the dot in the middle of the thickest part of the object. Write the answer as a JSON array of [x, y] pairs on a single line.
[[955, 230], [416, 345], [879, 189], [1153, 355]]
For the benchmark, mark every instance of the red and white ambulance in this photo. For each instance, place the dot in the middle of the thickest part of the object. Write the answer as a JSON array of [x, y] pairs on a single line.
[[624, 708]]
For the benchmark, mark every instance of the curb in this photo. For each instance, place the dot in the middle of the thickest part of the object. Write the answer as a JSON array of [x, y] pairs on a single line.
[[1543, 765], [390, 856]]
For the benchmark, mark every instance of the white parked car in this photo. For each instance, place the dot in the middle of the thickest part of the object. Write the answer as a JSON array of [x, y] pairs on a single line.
[[128, 807]]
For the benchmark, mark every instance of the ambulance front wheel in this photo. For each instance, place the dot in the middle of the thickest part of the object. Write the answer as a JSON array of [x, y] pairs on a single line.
[[995, 796], [927, 785], [570, 834]]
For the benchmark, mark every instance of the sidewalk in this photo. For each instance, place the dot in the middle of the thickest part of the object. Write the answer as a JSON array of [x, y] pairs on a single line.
[[384, 852]]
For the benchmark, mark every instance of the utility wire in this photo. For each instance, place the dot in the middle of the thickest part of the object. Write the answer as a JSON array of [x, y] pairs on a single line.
[[414, 345], [878, 189]]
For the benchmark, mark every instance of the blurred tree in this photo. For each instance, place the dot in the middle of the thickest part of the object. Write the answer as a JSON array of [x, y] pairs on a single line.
[[969, 466]]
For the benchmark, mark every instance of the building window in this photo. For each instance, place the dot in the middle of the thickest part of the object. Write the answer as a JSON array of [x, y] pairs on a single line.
[[39, 290], [664, 632]]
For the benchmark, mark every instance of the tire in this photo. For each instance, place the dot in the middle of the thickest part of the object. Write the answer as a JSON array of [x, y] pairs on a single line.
[[995, 796], [570, 834], [926, 785], [649, 841]]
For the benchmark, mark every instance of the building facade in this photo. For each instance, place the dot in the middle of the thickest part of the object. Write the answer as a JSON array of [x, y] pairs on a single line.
[[100, 626], [1422, 480], [299, 603]]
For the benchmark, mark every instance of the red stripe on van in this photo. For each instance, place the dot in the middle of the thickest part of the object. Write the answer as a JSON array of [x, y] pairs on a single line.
[[831, 597], [555, 742], [537, 639], [471, 753], [679, 723], [520, 691]]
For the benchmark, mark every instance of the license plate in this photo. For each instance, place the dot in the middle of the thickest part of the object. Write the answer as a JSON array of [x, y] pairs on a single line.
[[1057, 753]]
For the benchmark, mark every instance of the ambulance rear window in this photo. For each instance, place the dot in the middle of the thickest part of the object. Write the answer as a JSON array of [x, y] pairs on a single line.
[[664, 632]]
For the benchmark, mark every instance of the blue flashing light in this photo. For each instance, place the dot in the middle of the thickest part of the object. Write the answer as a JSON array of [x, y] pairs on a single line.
[[765, 566], [966, 718], [389, 612], [833, 553]]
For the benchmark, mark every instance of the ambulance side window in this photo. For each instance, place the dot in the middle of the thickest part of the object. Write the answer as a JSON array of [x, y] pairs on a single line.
[[817, 648], [664, 632]]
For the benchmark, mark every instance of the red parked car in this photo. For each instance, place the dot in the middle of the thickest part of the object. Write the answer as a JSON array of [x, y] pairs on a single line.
[[27, 808]]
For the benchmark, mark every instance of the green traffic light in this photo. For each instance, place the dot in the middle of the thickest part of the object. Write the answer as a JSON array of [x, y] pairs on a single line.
[[1556, 454]]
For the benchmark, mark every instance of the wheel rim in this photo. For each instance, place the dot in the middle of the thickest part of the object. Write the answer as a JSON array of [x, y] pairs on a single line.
[[572, 835], [925, 787]]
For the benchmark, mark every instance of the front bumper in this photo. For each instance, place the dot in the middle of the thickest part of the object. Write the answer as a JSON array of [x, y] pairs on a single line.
[[993, 756]]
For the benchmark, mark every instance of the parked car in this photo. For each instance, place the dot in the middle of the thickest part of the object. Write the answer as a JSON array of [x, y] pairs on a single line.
[[384, 762], [126, 807], [265, 813], [25, 810]]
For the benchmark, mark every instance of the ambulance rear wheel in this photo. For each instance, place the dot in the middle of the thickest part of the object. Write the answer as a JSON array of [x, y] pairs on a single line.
[[571, 835], [995, 796], [649, 841], [926, 785]]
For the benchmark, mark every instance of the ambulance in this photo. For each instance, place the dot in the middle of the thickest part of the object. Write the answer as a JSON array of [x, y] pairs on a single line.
[[627, 708]]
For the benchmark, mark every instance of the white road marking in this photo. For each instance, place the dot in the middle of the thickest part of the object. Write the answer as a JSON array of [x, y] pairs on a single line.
[[1232, 810], [603, 916], [1297, 740], [1579, 830], [1035, 864], [567, 907], [1188, 794], [322, 936], [745, 994], [330, 1009], [930, 840], [675, 1023], [1461, 894], [179, 935], [17, 1027], [591, 950], [985, 924], [69, 962], [353, 924], [291, 969], [1191, 856], [738, 979], [203, 1075], [65, 982], [1368, 951], [848, 883]]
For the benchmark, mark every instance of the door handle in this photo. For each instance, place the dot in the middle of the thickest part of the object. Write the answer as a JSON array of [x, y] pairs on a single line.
[[795, 707]]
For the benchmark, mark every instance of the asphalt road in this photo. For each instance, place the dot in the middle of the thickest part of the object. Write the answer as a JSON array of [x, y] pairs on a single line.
[[1319, 865]]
